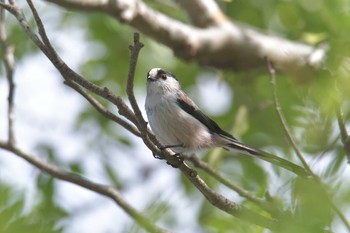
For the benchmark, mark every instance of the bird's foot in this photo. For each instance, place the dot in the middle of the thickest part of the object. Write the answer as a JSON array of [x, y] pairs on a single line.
[[178, 157], [157, 156], [179, 161]]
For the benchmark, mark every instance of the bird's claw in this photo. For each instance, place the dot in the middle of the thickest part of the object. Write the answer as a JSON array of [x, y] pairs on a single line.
[[179, 159], [157, 156], [177, 156]]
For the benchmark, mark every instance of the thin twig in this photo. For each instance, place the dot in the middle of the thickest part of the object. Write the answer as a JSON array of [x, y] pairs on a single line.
[[242, 192], [9, 63], [101, 109], [149, 139], [345, 138], [341, 123], [230, 207], [134, 53], [70, 177], [296, 149], [40, 25], [283, 120], [66, 72]]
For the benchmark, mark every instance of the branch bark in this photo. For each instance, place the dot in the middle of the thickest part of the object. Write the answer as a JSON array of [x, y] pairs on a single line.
[[9, 63], [210, 13], [225, 45], [267, 206]]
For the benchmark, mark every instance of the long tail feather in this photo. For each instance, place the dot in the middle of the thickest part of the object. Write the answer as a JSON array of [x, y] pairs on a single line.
[[269, 158]]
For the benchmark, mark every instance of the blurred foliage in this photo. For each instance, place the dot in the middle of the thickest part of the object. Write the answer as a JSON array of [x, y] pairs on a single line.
[[15, 218], [308, 107]]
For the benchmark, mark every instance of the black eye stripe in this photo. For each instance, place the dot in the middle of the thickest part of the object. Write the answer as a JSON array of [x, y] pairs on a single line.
[[161, 72], [166, 73]]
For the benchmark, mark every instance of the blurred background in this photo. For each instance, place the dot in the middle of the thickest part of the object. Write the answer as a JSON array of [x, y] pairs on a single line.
[[55, 123]]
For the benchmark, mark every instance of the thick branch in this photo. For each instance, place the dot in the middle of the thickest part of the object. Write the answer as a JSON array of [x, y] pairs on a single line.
[[203, 13], [228, 45]]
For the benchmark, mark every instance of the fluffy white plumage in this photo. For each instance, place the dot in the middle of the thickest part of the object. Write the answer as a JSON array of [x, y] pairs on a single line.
[[171, 124]]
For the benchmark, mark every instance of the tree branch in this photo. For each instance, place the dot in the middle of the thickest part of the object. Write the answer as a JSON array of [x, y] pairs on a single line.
[[230, 207], [203, 13], [234, 46], [134, 54], [73, 178], [296, 149], [345, 138], [66, 72], [282, 119], [9, 63], [101, 109], [242, 192]]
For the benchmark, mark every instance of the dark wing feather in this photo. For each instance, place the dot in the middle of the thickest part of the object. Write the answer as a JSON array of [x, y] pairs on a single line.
[[188, 106]]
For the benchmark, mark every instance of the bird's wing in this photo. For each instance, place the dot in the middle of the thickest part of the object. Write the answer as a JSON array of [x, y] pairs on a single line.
[[191, 108]]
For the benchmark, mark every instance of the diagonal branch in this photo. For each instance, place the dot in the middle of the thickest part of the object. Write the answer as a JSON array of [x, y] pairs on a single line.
[[296, 149], [269, 207], [101, 109], [66, 72], [229, 45], [282, 119], [105, 190]]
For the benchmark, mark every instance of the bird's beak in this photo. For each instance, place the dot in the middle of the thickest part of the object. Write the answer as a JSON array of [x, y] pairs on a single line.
[[150, 78]]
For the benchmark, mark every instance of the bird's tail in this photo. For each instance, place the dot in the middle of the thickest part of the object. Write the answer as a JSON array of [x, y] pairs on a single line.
[[268, 157]]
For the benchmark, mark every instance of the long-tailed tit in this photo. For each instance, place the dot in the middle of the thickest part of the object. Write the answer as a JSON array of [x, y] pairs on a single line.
[[179, 124]]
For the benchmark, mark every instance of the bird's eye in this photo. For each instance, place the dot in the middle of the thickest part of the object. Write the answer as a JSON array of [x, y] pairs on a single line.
[[163, 76]]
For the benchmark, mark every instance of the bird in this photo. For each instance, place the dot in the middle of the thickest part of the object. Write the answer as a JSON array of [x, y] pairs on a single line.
[[179, 124]]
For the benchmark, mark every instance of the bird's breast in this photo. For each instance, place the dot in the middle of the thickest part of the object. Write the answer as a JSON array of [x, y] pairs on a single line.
[[174, 126]]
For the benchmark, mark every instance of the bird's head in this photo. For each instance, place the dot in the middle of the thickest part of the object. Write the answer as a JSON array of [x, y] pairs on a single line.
[[161, 81]]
